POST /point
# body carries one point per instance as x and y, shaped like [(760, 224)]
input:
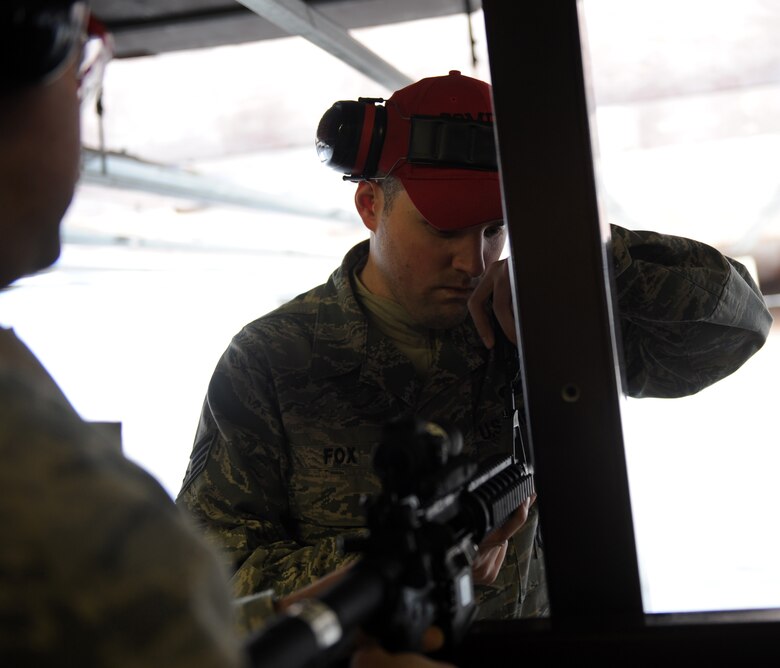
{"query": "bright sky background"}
[(136, 313)]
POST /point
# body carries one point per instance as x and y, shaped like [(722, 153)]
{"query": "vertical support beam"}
[(561, 269)]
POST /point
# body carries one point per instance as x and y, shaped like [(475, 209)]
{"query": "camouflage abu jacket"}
[(97, 565), (294, 409)]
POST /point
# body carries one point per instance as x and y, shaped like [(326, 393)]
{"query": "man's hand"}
[(495, 282), (492, 549), (373, 656)]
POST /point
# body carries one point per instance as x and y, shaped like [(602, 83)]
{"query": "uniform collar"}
[(342, 341), (341, 330)]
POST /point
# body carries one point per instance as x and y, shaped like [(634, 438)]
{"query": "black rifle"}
[(435, 507)]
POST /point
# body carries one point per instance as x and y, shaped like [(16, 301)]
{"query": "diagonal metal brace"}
[(298, 18)]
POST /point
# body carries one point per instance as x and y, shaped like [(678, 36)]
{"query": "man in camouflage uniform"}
[(295, 408), (97, 565)]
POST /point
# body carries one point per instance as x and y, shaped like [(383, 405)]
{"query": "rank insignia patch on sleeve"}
[(198, 459)]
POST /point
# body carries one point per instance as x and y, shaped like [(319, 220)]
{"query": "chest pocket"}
[(330, 496), (331, 469)]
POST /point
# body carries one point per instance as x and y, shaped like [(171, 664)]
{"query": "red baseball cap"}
[(450, 194)]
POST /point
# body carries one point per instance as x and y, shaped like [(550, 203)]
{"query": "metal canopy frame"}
[(296, 17), (562, 287), (146, 27)]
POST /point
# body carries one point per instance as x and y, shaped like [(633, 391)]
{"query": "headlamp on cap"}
[(350, 136)]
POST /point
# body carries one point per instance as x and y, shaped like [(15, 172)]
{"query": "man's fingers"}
[(494, 283), (488, 563), (502, 303), (433, 639), (371, 655), (510, 527), (492, 550), (479, 313)]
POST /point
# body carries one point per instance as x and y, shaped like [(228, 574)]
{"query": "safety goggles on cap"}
[(96, 52)]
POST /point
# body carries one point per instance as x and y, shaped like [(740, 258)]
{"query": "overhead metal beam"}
[(127, 173), (298, 18)]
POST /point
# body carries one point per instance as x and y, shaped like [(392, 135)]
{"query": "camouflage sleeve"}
[(236, 484), (689, 316), (98, 567)]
